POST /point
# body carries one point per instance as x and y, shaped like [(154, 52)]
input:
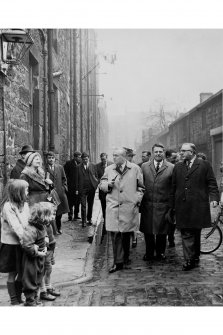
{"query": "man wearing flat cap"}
[(71, 172), (20, 164)]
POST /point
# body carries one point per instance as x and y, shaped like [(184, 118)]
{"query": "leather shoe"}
[(147, 258), (69, 218), (53, 291), (89, 223), (77, 218), (189, 265), (116, 267), (46, 296)]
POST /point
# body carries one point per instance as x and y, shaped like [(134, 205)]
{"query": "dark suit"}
[(154, 206), (87, 184), (17, 170), (57, 175), (102, 195), (192, 190), (71, 171)]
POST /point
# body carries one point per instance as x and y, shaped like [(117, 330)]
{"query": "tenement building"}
[(202, 125), (49, 99)]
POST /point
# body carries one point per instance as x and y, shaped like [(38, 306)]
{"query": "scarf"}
[(36, 176)]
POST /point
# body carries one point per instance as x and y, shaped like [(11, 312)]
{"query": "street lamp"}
[(14, 45)]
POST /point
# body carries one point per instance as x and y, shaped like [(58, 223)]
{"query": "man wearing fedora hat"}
[(20, 164)]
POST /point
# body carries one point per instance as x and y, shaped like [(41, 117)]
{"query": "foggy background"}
[(146, 72)]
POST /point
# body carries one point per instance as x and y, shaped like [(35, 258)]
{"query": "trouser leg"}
[(197, 243), (58, 221), (150, 244), (103, 206), (188, 242), (70, 199), (83, 198), (118, 252), (171, 232), (160, 244), (126, 245), (90, 201), (76, 205)]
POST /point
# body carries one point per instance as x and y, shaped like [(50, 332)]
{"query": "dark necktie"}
[(157, 166), (188, 165)]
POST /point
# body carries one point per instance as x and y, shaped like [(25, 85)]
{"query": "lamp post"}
[(15, 43)]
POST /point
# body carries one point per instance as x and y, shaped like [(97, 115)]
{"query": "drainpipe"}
[(44, 53), (71, 91), (88, 100), (5, 140), (50, 88), (74, 40), (81, 97)]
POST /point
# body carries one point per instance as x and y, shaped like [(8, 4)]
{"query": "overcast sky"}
[(154, 66)]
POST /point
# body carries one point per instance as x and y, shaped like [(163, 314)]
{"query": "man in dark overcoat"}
[(20, 164), (87, 183), (157, 177), (56, 173), (70, 169), (193, 187), (100, 171)]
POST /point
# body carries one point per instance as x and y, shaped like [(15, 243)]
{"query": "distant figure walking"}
[(73, 197), (86, 187)]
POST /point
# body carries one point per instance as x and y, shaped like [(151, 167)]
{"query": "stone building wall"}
[(22, 99)]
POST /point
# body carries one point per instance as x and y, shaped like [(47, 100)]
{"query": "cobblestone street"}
[(149, 284)]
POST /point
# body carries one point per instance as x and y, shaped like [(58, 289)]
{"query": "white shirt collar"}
[(160, 163), (192, 160)]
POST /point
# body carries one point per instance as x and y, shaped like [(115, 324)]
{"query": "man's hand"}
[(48, 181), (76, 193), (214, 204)]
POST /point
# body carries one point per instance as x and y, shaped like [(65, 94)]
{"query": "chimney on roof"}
[(205, 96)]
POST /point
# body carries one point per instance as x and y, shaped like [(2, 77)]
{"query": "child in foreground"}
[(14, 218), (47, 291), (35, 250)]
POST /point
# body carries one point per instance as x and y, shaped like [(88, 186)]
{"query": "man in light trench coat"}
[(123, 183), (157, 176)]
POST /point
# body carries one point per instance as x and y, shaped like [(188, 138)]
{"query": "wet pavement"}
[(81, 273), (157, 283)]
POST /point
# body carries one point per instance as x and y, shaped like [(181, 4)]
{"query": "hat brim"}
[(25, 152)]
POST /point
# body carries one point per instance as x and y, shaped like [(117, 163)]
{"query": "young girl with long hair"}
[(14, 218)]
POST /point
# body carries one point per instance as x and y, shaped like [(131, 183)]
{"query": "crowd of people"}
[(167, 190)]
